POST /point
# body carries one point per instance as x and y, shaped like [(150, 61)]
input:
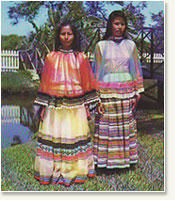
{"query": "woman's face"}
[(118, 27), (66, 37)]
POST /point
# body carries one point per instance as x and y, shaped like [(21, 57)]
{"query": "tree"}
[(88, 16), (85, 15), (11, 42), (136, 19), (158, 19)]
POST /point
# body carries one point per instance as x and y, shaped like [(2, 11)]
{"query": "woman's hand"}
[(43, 113), (100, 108), (135, 101), (138, 97), (88, 112)]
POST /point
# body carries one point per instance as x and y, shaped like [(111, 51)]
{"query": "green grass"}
[(148, 175), (17, 83)]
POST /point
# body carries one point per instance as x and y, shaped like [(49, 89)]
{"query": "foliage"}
[(17, 83), (87, 16), (11, 42), (134, 14), (158, 19), (27, 10)]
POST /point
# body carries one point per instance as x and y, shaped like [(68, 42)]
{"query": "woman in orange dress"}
[(64, 151)]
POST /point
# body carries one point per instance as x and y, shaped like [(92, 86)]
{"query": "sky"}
[(23, 28)]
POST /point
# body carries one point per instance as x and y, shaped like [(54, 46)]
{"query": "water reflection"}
[(17, 125)]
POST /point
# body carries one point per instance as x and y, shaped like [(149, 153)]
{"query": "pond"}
[(17, 124)]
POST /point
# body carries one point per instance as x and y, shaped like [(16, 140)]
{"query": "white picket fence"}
[(9, 60)]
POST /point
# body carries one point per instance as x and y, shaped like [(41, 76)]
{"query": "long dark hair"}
[(76, 45), (112, 16)]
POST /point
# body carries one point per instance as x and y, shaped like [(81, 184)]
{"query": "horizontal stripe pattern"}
[(64, 153), (115, 142), (62, 140), (67, 102), (64, 145), (75, 159)]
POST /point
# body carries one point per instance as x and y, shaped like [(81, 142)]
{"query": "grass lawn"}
[(148, 175)]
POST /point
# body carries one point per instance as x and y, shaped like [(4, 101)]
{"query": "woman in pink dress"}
[(64, 151), (119, 75)]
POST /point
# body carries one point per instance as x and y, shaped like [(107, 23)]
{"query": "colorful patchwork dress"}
[(118, 72), (64, 151)]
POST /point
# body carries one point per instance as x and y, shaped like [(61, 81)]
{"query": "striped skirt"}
[(115, 142), (64, 151)]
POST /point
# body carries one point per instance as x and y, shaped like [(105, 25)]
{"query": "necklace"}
[(116, 39), (66, 51)]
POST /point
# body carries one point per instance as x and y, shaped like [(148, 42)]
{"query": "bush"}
[(17, 83)]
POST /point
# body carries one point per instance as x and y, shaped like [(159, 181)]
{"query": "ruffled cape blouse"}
[(117, 69), (67, 80)]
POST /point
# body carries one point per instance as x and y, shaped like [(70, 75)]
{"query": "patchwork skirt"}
[(115, 138), (64, 151)]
